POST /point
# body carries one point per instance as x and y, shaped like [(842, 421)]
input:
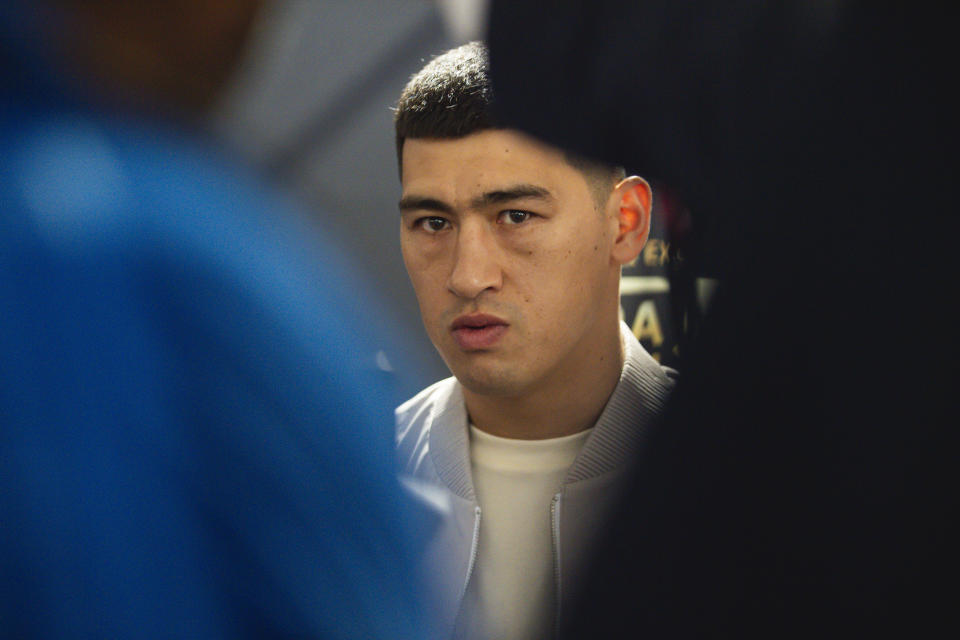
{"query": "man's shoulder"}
[(646, 371), (414, 417), (436, 393)]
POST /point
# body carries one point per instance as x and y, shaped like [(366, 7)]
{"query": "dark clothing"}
[(799, 484)]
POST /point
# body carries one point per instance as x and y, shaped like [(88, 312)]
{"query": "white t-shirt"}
[(512, 590)]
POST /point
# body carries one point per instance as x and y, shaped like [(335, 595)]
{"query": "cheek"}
[(577, 279), (577, 261), (424, 254), (418, 260), (425, 290), (429, 285)]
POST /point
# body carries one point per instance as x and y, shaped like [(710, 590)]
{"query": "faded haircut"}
[(451, 97)]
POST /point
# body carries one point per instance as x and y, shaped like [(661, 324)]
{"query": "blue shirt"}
[(195, 406)]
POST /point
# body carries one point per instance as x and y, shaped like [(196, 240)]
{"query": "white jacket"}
[(432, 441)]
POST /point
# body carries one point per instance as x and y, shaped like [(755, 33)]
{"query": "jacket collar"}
[(449, 442), (637, 400)]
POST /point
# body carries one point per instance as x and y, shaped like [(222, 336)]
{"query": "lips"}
[(478, 331)]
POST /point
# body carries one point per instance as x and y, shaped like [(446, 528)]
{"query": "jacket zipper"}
[(473, 555), (555, 534)]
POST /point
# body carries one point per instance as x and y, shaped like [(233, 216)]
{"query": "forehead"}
[(465, 167)]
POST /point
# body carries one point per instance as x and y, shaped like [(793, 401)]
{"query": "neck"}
[(567, 403)]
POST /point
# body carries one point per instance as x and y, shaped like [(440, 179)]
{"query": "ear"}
[(633, 201)]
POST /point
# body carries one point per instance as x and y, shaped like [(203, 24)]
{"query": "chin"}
[(490, 382)]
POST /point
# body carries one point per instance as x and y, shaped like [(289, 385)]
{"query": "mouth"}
[(478, 331)]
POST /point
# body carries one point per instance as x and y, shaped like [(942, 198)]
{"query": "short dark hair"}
[(451, 97)]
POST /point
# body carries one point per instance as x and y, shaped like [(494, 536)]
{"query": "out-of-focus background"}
[(311, 104)]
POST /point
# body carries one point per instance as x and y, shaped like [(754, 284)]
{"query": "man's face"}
[(510, 259)]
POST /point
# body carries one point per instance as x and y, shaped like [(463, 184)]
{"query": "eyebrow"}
[(514, 192), (415, 203), (497, 196)]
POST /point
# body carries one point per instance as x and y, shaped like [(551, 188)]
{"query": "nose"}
[(476, 266)]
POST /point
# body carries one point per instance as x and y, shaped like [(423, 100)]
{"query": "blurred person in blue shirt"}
[(195, 409)]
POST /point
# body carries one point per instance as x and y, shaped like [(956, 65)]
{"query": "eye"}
[(431, 224), (514, 216)]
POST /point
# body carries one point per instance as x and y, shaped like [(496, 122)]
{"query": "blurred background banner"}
[(661, 299)]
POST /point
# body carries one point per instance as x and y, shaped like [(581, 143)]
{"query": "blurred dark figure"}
[(195, 427), (801, 483)]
